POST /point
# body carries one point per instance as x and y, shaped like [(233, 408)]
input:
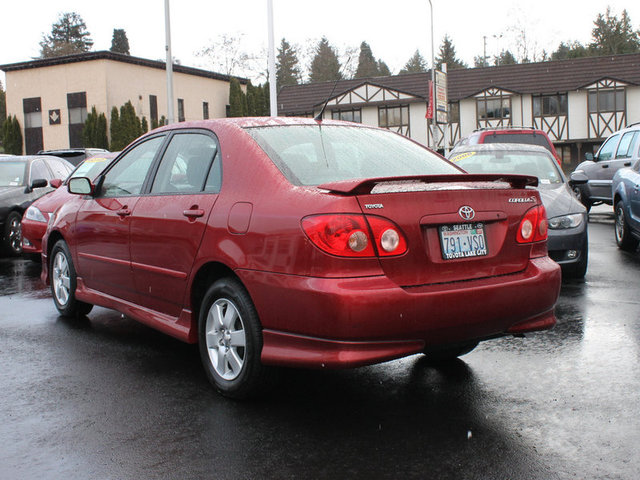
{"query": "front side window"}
[(39, 170), (186, 164), (128, 174), (316, 154), (608, 147)]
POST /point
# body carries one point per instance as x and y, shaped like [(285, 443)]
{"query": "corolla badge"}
[(466, 212)]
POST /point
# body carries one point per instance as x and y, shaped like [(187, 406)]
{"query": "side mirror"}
[(55, 183), (80, 186), (589, 156), (578, 178), (37, 183)]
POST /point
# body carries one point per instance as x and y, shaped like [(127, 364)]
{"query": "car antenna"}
[(318, 117)]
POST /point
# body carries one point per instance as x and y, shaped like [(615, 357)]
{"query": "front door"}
[(103, 222)]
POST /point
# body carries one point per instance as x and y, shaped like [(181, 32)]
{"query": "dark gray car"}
[(24, 179), (620, 150), (567, 242)]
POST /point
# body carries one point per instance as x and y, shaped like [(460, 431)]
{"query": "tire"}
[(63, 282), (579, 269), (230, 340), (449, 353), (13, 234), (584, 199), (624, 239)]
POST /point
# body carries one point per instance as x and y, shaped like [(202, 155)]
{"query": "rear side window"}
[(316, 154), (627, 144), (185, 164), (527, 138)]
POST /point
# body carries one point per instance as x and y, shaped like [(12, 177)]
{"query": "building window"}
[(494, 108), (32, 109), (77, 105), (394, 118), (205, 110), (350, 115), (181, 110), (550, 105), (454, 112), (153, 110), (610, 100)]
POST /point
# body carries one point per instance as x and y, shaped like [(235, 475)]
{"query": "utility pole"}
[(433, 85), (167, 28)]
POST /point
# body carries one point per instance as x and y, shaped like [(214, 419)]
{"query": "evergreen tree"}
[(383, 69), (570, 50), (115, 129), (3, 109), (251, 100), (12, 136), (145, 125), (287, 69), (448, 55), (89, 130), (614, 37), (367, 65), (130, 125), (235, 98), (505, 58), (265, 100), (120, 42), (325, 65), (415, 64), (68, 35)]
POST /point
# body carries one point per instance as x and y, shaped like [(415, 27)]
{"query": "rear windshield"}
[(541, 165), (528, 138), (13, 173), (316, 154)]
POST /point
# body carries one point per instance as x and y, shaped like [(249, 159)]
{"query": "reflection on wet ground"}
[(82, 397), (19, 276)]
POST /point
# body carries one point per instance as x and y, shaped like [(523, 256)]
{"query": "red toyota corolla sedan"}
[(279, 241)]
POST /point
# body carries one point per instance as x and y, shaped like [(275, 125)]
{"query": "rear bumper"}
[(320, 322)]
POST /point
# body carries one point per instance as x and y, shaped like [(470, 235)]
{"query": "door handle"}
[(605, 166), (627, 164), (124, 212), (193, 213)]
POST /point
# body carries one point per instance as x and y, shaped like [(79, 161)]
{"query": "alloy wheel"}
[(61, 279), (225, 339)]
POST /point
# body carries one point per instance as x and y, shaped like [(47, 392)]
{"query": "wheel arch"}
[(204, 277)]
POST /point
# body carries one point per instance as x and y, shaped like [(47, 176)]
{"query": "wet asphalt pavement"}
[(108, 398)]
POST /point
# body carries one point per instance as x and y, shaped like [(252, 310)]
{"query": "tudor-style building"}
[(578, 102), (52, 96)]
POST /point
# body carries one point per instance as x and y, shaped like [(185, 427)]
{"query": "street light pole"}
[(167, 27), (273, 92), (433, 85)]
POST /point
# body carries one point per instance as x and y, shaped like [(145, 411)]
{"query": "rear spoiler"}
[(364, 186)]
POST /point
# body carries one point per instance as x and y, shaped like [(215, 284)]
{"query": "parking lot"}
[(110, 398)]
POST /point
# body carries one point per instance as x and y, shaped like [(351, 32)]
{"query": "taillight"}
[(533, 227), (347, 235)]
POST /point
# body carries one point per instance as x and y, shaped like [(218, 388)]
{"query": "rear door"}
[(167, 225), (431, 218), (601, 172)]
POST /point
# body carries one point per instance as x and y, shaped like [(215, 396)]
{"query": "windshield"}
[(312, 155), (538, 164), (13, 173)]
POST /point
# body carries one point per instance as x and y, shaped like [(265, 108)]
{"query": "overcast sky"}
[(393, 28)]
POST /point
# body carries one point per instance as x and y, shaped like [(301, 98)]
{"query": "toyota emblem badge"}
[(466, 213)]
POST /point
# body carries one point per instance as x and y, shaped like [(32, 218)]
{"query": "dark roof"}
[(533, 78), (299, 99), (117, 57)]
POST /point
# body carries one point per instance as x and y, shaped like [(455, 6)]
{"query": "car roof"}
[(247, 122), (30, 158)]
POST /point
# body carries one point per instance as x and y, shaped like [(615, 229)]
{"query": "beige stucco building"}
[(51, 97)]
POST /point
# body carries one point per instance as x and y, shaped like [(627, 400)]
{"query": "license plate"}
[(463, 240)]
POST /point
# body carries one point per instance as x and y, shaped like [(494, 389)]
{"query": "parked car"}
[(281, 241), (620, 150), (568, 243), (75, 155), (626, 200), (527, 135), (24, 179), (36, 217)]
